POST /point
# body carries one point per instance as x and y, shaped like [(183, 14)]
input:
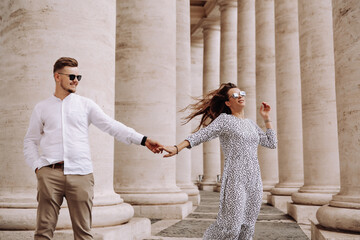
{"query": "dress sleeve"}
[(267, 139), (213, 130)]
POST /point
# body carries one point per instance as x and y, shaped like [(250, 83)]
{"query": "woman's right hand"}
[(170, 149)]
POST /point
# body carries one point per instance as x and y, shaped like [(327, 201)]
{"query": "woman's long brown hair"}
[(210, 106)]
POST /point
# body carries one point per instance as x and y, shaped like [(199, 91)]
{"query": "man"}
[(59, 126)]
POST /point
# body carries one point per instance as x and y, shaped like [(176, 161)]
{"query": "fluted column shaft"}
[(266, 85), (183, 98), (197, 52), (228, 41), (143, 60), (320, 140), (288, 93), (30, 46), (343, 212), (228, 48), (246, 52), (211, 30)]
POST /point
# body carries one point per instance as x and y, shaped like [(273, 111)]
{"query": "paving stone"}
[(271, 224), (210, 199), (207, 209), (202, 216), (274, 217), (213, 196), (154, 220), (208, 193), (267, 209), (186, 228), (209, 204), (278, 231)]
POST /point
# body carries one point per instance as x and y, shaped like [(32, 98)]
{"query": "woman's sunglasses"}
[(72, 76), (238, 95)]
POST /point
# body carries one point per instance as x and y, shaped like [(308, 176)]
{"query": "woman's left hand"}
[(172, 150), (265, 110)]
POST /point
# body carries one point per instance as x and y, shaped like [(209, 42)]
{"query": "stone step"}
[(271, 224)]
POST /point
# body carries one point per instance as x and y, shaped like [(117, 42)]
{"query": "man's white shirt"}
[(60, 129)]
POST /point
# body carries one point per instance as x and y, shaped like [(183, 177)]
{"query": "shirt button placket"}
[(63, 130)]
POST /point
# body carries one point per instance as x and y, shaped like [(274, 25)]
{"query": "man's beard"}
[(69, 89)]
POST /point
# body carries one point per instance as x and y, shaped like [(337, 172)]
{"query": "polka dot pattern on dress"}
[(241, 185)]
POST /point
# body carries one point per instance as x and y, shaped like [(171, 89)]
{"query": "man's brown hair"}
[(65, 62)]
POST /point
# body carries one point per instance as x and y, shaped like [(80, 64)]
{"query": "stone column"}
[(288, 93), (197, 50), (266, 86), (183, 98), (228, 49), (33, 37), (320, 140), (228, 41), (145, 60), (211, 30), (343, 211), (246, 52)]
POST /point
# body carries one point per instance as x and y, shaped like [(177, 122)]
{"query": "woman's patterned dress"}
[(241, 187)]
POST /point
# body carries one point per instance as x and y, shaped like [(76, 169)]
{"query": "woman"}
[(241, 187)]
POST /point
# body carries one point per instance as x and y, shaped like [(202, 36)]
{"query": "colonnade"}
[(211, 81), (343, 211), (146, 181), (299, 56), (120, 70), (141, 63), (321, 155), (265, 87), (288, 103), (32, 37)]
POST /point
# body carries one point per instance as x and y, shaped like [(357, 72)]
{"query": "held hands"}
[(172, 150), (154, 146)]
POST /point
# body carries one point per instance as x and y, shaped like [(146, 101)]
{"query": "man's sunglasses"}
[(72, 76), (238, 95)]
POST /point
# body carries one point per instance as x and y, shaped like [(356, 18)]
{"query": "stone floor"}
[(271, 223)]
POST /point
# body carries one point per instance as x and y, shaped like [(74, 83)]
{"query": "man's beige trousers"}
[(78, 190)]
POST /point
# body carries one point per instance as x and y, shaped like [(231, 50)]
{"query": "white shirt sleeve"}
[(116, 129), (32, 140)]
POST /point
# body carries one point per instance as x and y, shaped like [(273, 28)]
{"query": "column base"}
[(280, 202), (267, 186), (284, 191), (135, 229), (302, 213), (265, 196), (173, 211), (218, 187), (317, 199), (193, 193), (318, 232), (195, 199), (25, 218), (337, 218), (210, 187)]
